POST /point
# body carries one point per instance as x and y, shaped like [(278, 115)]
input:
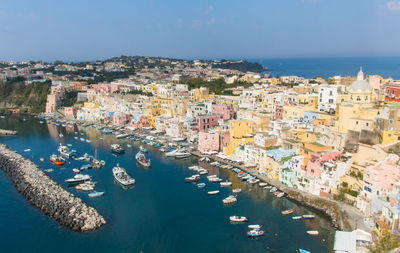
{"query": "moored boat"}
[(122, 177), (288, 211), (78, 179), (65, 151), (253, 227), (143, 149), (201, 185), (142, 160), (213, 192), (226, 183), (95, 194), (229, 200), (312, 232), (48, 170), (76, 171), (236, 218), (297, 217), (57, 160), (304, 251), (255, 233), (193, 178), (236, 190), (308, 216), (117, 149)]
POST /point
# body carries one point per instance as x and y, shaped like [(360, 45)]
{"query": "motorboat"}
[(255, 233), (143, 149), (304, 251), (27, 150), (237, 218), (120, 136), (229, 200), (182, 154), (76, 171), (312, 232), (253, 180), (211, 176), (236, 190), (85, 167), (273, 189), (226, 183), (78, 179), (82, 139), (48, 170), (57, 160), (142, 160), (201, 185), (297, 217), (280, 195), (308, 216), (215, 180), (213, 192), (122, 177), (96, 164), (254, 227), (65, 151), (95, 194), (202, 171), (194, 167), (117, 149), (88, 141), (262, 184), (288, 211), (193, 178), (41, 159)]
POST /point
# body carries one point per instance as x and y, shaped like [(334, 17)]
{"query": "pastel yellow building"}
[(241, 132), (91, 105)]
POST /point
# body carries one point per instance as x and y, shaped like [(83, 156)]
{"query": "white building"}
[(327, 98)]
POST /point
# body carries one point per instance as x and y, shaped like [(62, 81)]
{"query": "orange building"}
[(312, 147)]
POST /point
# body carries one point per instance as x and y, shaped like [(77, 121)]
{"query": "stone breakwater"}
[(40, 190), (7, 132)]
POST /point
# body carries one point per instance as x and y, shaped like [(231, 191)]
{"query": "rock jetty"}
[(40, 190), (7, 132)]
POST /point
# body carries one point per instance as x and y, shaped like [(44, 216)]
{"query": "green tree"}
[(385, 243)]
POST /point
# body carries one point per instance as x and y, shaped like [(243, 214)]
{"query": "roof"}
[(360, 85), (345, 241)]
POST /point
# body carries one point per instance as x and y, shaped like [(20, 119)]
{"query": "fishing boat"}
[(201, 185), (213, 192), (143, 149), (229, 200), (286, 212), (193, 178), (142, 160), (255, 233), (254, 227), (95, 194), (304, 251), (308, 216), (57, 160), (76, 171), (78, 179), (226, 183), (64, 151), (297, 217), (122, 177), (237, 218), (117, 149), (96, 164), (236, 190), (312, 232)]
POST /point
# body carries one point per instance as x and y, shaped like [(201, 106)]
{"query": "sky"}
[(79, 30)]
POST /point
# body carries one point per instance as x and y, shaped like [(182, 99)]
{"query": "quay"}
[(41, 191)]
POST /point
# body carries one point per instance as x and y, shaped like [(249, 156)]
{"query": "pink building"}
[(70, 112), (106, 88), (142, 122), (316, 162), (120, 120), (379, 178), (206, 121), (56, 93), (224, 111), (208, 142)]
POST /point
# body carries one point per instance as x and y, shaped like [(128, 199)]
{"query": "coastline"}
[(48, 196)]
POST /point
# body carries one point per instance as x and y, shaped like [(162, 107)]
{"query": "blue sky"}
[(98, 29)]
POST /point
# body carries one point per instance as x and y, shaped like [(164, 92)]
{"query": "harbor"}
[(160, 206)]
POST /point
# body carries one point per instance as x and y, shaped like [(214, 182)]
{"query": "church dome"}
[(360, 85)]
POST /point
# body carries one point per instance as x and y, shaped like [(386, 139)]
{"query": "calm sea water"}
[(160, 214), (327, 67)]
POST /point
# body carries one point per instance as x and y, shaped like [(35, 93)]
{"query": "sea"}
[(329, 67), (161, 213)]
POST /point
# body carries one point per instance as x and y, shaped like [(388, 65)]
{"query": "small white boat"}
[(297, 217), (262, 184), (253, 227), (286, 212), (255, 233), (253, 180), (312, 232), (61, 135), (237, 218), (27, 150), (41, 159), (95, 194), (213, 192), (236, 190), (193, 178), (215, 180), (280, 195), (229, 200), (201, 185), (49, 170), (77, 179), (76, 171), (226, 183)]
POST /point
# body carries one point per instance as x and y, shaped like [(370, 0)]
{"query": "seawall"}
[(7, 132), (41, 191)]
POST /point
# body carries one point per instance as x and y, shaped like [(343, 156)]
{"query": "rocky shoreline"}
[(41, 191), (7, 132)]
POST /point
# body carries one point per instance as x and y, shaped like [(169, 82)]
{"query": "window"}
[(358, 98), (367, 124), (356, 122), (331, 93), (366, 98)]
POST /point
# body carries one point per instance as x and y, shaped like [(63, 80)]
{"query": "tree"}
[(385, 243), (331, 80)]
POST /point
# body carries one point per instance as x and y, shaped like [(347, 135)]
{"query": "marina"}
[(159, 186)]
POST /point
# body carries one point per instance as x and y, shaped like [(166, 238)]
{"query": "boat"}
[(229, 200), (213, 192), (88, 141), (280, 195), (117, 149), (95, 194), (297, 217), (255, 233), (288, 211), (236, 190), (308, 216), (254, 227), (237, 218), (61, 135), (27, 150), (120, 136), (312, 232), (128, 145), (226, 183), (122, 177), (77, 179), (182, 154), (262, 184), (193, 178), (82, 139), (49, 170), (41, 159), (273, 189), (142, 160), (64, 151), (75, 137), (143, 149), (76, 171), (201, 185), (253, 180), (57, 160), (85, 167), (304, 251), (203, 172)]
